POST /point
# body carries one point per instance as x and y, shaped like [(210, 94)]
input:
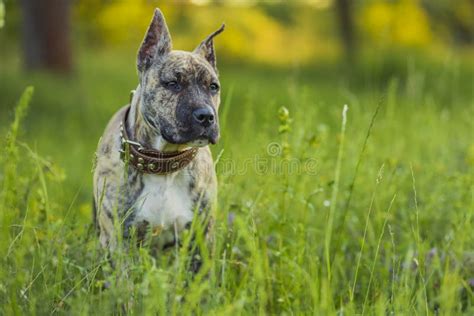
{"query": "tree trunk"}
[(346, 27), (46, 34)]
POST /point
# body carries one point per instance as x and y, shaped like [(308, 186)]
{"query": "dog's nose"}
[(204, 116)]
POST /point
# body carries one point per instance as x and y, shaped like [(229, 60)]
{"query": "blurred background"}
[(80, 56), (50, 34)]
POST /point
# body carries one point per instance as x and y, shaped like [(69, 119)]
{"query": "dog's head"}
[(180, 91)]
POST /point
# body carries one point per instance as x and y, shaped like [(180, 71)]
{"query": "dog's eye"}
[(214, 87), (173, 85)]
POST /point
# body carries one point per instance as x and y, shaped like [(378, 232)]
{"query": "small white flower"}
[(327, 203)]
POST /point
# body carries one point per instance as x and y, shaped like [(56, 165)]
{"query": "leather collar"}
[(150, 160)]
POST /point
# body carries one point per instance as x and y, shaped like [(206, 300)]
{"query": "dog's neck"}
[(142, 132)]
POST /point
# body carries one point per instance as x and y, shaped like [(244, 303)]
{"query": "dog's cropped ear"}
[(206, 48), (157, 42)]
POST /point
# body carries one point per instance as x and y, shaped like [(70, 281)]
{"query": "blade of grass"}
[(367, 220), (374, 262), (335, 191), (356, 172), (418, 242)]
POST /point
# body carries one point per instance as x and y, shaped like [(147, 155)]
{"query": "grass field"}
[(317, 214)]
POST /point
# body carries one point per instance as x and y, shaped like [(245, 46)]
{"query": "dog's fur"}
[(172, 84)]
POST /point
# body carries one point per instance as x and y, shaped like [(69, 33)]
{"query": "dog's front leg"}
[(106, 224), (110, 230)]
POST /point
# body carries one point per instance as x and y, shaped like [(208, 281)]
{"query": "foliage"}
[(250, 33), (400, 22), (282, 33)]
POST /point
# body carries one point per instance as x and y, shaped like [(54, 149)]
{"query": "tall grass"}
[(382, 225)]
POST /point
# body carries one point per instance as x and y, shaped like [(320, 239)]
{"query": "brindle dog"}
[(173, 109)]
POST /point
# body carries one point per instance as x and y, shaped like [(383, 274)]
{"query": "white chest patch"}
[(165, 201)]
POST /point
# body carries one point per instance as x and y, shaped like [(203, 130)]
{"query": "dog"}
[(154, 171)]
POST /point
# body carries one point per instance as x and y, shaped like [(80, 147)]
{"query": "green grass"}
[(375, 218)]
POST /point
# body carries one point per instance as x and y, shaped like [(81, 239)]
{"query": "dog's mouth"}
[(206, 137), (212, 137)]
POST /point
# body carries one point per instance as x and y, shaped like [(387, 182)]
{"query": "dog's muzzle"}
[(205, 119)]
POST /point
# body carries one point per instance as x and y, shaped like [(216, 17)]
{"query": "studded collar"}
[(148, 160)]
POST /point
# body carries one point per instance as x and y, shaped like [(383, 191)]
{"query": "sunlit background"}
[(286, 33)]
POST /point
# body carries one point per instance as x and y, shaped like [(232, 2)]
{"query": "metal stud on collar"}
[(128, 141)]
